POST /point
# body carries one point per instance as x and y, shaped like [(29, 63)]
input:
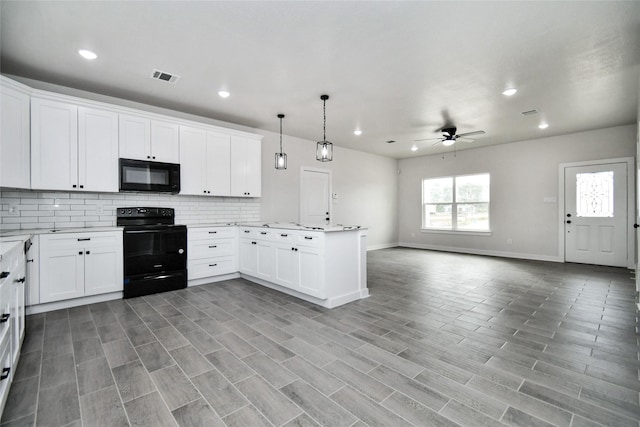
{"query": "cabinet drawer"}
[(285, 236), (205, 233), (84, 240), (248, 232), (5, 309), (202, 249), (211, 267), (307, 239)]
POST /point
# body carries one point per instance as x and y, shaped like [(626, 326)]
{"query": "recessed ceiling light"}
[(357, 132), (414, 147), (87, 54), (509, 92), (224, 94), (543, 125)]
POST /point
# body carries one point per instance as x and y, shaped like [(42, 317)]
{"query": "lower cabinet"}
[(292, 259), (74, 265), (12, 313), (211, 251)]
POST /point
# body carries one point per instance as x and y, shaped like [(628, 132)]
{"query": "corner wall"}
[(523, 175)]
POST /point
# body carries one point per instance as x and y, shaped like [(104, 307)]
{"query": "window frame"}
[(454, 208)]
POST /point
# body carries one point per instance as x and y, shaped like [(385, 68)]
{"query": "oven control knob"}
[(180, 251), (121, 211)]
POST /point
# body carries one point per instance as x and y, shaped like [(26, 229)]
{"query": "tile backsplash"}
[(25, 209)]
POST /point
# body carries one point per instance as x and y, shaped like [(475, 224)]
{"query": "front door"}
[(596, 214)]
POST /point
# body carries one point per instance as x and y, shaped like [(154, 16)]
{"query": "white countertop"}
[(303, 227), (14, 233)]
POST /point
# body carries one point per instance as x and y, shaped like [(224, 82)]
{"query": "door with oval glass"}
[(596, 213)]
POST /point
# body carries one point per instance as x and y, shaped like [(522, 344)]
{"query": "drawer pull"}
[(212, 232), (308, 238), (80, 253), (263, 232), (213, 246), (5, 374), (21, 280), (247, 231), (213, 265), (283, 235), (253, 243), (4, 317), (4, 274), (84, 239)]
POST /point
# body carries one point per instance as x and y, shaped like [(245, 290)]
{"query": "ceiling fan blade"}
[(477, 132), (427, 139)]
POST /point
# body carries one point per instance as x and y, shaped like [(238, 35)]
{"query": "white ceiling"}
[(393, 69)]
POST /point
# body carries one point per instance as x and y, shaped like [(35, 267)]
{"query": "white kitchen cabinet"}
[(142, 138), (246, 167), (97, 150), (12, 312), (326, 268), (73, 265), (204, 162), (32, 285), (15, 139), (211, 251), (73, 148)]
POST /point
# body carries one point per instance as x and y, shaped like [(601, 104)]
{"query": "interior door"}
[(596, 214), (315, 197)]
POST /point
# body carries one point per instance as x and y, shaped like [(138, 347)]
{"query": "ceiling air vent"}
[(530, 112), (164, 76), (391, 141)]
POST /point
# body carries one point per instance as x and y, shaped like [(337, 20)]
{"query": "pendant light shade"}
[(281, 158), (324, 149)]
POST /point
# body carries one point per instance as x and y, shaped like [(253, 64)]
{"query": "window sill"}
[(456, 232)]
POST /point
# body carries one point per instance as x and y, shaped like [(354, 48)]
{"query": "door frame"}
[(312, 169), (631, 203)]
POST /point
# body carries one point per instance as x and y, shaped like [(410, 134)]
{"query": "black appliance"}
[(144, 175), (155, 251)]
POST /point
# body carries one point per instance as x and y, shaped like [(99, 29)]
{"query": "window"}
[(456, 203)]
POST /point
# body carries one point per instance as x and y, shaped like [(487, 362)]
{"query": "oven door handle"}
[(166, 230)]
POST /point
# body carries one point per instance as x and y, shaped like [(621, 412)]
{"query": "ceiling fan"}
[(449, 136)]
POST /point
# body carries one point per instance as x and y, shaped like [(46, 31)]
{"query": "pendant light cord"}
[(280, 135), (324, 125)]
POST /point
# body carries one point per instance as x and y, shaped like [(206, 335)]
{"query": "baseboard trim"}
[(501, 254), (382, 246), (69, 303)]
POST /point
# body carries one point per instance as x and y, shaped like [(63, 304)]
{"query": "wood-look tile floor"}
[(444, 340)]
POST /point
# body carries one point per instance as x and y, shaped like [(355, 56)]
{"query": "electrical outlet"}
[(13, 210), (413, 235), (99, 209), (509, 241)]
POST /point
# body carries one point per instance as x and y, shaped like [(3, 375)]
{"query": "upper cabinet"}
[(142, 138), (15, 163), (73, 148), (204, 162), (246, 167)]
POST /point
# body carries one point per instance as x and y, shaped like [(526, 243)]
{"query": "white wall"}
[(522, 175), (367, 185)]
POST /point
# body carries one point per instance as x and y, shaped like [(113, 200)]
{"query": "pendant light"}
[(324, 149), (281, 158)]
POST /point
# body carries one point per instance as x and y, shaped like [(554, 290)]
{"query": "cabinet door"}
[(253, 168), (193, 161), (286, 265), (164, 142), (32, 291), (218, 168), (97, 150), (134, 137), (266, 260), (54, 145), (246, 170), (311, 280), (61, 273), (15, 140), (17, 308), (103, 270), (248, 257)]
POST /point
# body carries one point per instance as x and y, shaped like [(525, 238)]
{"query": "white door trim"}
[(312, 169), (631, 203)]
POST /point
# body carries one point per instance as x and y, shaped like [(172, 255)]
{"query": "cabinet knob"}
[(4, 274), (88, 252), (5, 373), (74, 186), (253, 243), (4, 317), (82, 186), (205, 191), (80, 253), (153, 157), (148, 157), (21, 280)]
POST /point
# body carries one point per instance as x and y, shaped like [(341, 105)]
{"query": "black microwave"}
[(143, 175)]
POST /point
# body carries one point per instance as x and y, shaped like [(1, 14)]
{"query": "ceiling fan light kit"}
[(281, 158), (324, 148)]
